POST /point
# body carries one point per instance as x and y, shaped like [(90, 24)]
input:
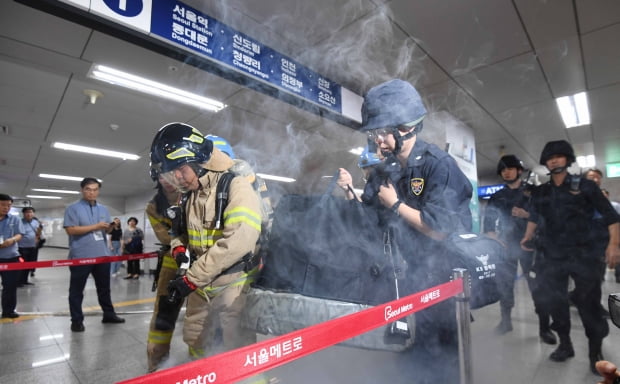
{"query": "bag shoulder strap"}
[(221, 197)]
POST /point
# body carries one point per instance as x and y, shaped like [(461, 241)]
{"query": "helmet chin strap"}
[(557, 170), (398, 139)]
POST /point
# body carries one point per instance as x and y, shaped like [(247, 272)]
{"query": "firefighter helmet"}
[(176, 144), (222, 144), (368, 159)]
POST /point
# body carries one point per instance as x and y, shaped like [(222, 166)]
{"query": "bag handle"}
[(332, 183)]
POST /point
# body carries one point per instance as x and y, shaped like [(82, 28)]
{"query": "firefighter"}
[(219, 278), (505, 220), (429, 197), (158, 342), (159, 337), (566, 205)]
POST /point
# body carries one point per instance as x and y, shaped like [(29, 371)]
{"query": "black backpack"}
[(327, 247), (135, 245), (481, 255)]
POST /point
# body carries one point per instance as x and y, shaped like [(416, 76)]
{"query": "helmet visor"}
[(183, 178)]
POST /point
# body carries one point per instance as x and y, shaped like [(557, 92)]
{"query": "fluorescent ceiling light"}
[(43, 197), (588, 161), (95, 151), (574, 109), (141, 84), (275, 178), (356, 151), (61, 177), (55, 191)]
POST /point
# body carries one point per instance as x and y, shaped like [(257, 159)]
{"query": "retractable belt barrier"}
[(241, 363), (73, 262)]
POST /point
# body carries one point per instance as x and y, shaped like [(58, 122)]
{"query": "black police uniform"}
[(433, 184), (567, 211), (510, 229), (599, 234)]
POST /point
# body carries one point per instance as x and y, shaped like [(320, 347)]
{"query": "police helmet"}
[(368, 159), (176, 144), (509, 161), (558, 147), (392, 104), (222, 144)]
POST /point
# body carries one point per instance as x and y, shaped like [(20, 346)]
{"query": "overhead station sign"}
[(183, 26)]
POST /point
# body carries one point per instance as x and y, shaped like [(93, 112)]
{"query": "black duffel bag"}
[(482, 256), (327, 247)]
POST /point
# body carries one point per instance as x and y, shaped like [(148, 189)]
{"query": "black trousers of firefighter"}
[(555, 269)]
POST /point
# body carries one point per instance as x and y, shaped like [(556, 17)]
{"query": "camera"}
[(389, 169)]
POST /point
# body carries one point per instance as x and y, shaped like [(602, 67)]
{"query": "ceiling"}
[(495, 65)]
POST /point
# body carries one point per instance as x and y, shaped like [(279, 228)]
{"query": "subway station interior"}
[(491, 74)]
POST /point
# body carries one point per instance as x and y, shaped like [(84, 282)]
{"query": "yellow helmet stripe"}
[(180, 153)]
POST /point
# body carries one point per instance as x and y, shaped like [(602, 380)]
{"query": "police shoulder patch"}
[(417, 185)]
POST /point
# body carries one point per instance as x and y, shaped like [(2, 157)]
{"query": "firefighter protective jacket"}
[(216, 250)]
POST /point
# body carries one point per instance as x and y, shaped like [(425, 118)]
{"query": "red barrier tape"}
[(73, 262), (241, 363)]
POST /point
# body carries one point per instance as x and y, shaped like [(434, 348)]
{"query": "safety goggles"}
[(379, 134)]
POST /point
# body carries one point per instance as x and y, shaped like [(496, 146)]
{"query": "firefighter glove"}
[(180, 287), (179, 255)]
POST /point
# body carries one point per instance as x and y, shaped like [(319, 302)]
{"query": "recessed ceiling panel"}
[(511, 83), (597, 14), (601, 51), (463, 35)]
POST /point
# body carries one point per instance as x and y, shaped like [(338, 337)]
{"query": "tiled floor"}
[(40, 348)]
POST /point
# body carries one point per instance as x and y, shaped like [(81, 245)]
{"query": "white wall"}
[(123, 208)]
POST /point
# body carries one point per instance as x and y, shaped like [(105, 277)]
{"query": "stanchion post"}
[(463, 319)]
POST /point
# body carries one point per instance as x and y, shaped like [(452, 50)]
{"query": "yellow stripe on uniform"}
[(196, 353), (243, 215), (209, 292), (160, 337), (169, 262), (157, 220), (207, 237)]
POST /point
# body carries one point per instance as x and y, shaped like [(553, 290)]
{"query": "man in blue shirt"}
[(87, 223), (11, 231), (28, 244)]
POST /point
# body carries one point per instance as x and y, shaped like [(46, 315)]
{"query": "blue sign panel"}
[(486, 191), (195, 31)]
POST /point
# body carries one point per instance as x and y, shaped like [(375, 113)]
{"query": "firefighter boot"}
[(595, 354), (505, 324), (544, 331), (564, 350)]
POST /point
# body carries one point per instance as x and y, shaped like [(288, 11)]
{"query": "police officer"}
[(505, 219), (429, 198), (566, 205), (218, 280)]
